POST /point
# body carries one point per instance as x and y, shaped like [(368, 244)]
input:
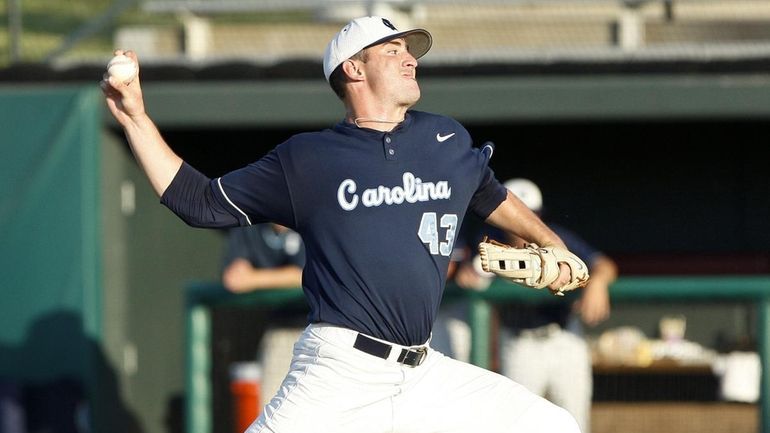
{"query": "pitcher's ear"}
[(352, 69)]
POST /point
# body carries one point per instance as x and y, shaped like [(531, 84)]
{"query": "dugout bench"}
[(201, 297)]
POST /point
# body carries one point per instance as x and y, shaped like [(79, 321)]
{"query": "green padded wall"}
[(49, 230)]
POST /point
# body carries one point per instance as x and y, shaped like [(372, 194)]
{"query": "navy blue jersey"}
[(264, 247), (577, 245), (378, 213)]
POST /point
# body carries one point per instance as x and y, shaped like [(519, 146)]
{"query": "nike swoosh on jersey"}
[(442, 138)]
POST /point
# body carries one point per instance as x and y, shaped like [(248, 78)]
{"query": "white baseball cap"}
[(527, 191), (367, 31)]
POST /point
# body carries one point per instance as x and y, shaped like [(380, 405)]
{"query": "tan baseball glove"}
[(533, 266)]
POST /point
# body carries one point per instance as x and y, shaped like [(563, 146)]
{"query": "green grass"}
[(46, 24)]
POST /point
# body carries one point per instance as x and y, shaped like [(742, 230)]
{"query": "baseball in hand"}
[(122, 68)]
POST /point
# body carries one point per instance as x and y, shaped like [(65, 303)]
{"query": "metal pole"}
[(480, 314), (14, 29), (198, 414), (763, 340), (668, 7)]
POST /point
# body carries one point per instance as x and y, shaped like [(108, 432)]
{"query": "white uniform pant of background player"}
[(553, 363), (275, 353), (451, 332), (335, 388)]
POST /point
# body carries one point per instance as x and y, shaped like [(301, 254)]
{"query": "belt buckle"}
[(413, 357), (544, 332)]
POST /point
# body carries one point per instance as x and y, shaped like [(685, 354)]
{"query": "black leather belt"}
[(410, 357)]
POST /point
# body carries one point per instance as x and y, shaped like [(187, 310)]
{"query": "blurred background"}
[(643, 122)]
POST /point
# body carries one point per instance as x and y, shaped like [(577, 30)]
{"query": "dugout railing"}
[(201, 297)]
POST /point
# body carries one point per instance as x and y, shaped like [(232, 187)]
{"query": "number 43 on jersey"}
[(429, 232)]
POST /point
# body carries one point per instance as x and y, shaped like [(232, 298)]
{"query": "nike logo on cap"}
[(442, 138)]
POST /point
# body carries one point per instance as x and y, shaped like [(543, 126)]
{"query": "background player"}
[(378, 200), (543, 347), (268, 256), (532, 336)]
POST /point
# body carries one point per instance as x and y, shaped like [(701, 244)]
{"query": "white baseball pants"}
[(335, 388), (554, 363)]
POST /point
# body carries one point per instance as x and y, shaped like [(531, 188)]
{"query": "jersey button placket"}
[(390, 150)]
